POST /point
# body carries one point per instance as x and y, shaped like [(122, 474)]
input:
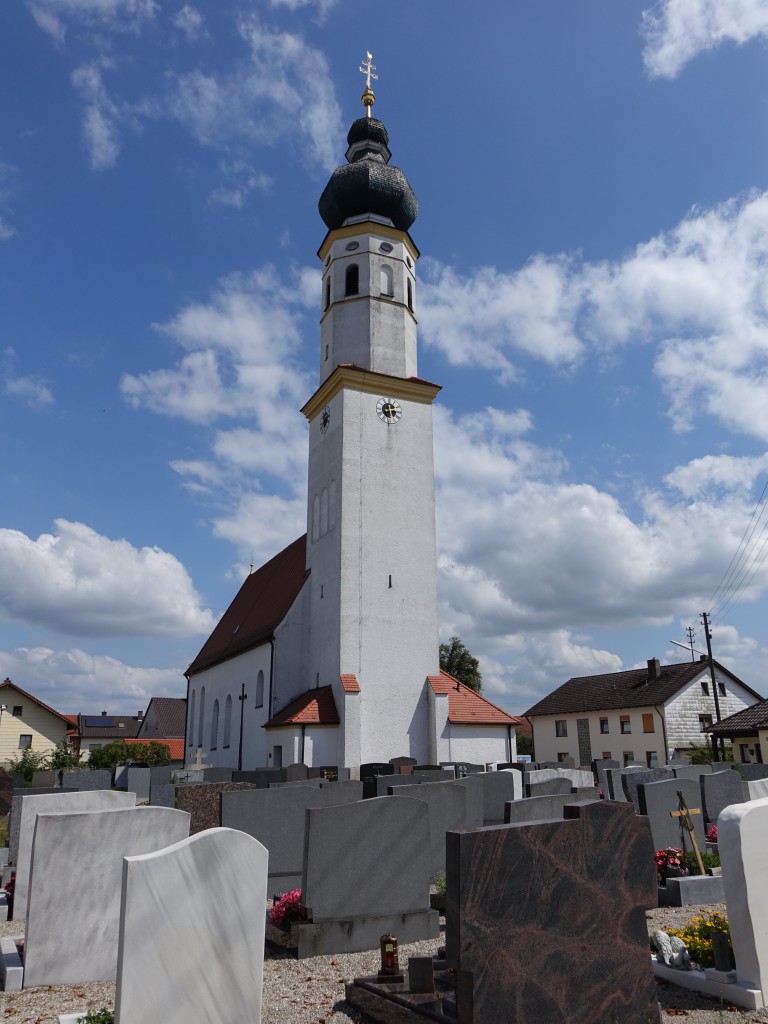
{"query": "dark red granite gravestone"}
[(545, 923)]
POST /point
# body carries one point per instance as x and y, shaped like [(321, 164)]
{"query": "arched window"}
[(259, 690), (191, 728), (387, 287), (215, 725), (352, 280), (410, 294), (200, 719), (227, 720), (327, 301)]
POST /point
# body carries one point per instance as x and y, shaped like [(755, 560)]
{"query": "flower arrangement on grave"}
[(672, 857), (287, 909), (697, 936), (712, 834)]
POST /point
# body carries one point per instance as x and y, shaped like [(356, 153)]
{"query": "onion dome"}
[(367, 183)]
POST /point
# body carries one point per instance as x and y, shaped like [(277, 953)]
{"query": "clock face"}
[(325, 419), (389, 410)]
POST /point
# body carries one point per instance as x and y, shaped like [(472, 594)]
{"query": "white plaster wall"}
[(320, 746), (547, 745), (291, 654), (479, 744)]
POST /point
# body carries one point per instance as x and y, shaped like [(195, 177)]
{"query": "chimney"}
[(654, 668), (103, 714)]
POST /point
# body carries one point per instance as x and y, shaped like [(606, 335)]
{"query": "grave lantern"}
[(390, 966)]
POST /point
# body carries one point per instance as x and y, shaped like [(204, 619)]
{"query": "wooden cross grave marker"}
[(686, 820)]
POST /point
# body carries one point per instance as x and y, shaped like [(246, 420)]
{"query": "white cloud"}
[(6, 230), (101, 118), (712, 474), (76, 582), (323, 6), (676, 31), (263, 524), (241, 180), (29, 388), (74, 682), (189, 21), (54, 16)]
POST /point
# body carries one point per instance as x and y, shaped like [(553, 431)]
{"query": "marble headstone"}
[(72, 927), (576, 891), (187, 890)]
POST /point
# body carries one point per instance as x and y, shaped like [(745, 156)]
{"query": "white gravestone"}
[(73, 915), (210, 893), (54, 803)]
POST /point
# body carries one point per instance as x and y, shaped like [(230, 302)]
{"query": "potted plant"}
[(669, 863)]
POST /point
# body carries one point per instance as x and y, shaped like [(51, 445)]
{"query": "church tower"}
[(371, 551)]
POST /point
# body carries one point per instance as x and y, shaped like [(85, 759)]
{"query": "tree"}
[(119, 752), (109, 756), (524, 742), (63, 756), (456, 660)]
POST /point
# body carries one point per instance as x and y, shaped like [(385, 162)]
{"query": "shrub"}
[(691, 864), (697, 936), (28, 762), (102, 1016), (440, 884)]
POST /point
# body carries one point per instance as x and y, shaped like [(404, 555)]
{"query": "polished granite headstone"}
[(599, 767), (541, 808), (615, 783), (370, 772), (631, 780), (84, 779), (545, 923), (657, 800), (492, 790), (753, 772), (719, 790), (550, 787)]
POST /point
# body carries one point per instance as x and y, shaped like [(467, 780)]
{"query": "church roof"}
[(315, 707), (259, 607), (466, 706)]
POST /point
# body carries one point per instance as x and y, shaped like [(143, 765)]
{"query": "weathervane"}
[(367, 68)]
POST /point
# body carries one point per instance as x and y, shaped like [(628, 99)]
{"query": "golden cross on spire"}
[(367, 67)]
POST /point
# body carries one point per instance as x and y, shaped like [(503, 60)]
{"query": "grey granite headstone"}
[(295, 772), (57, 802), (359, 890), (277, 818), (221, 925), (450, 810), (549, 787), (261, 777), (162, 795), (631, 780), (492, 790), (72, 928), (14, 818), (44, 779), (544, 808), (692, 771), (312, 783), (120, 780), (137, 781), (615, 784), (385, 784), (84, 780), (658, 799), (217, 774), (719, 790), (599, 768), (160, 775), (752, 772)]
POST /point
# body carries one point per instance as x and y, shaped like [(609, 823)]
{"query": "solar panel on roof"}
[(102, 722)]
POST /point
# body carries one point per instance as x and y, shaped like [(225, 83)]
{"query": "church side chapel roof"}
[(259, 607), (636, 687), (744, 722), (315, 707), (466, 706)]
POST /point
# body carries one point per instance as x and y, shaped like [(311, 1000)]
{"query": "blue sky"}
[(593, 188)]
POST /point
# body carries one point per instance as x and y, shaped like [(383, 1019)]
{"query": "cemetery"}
[(547, 893)]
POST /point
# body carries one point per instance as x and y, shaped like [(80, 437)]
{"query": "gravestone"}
[(187, 890), (492, 790), (359, 890), (450, 809), (371, 771), (631, 780), (753, 772), (615, 784), (295, 772), (657, 800), (44, 779), (756, 789), (261, 777), (162, 795), (15, 816), (599, 768), (465, 768), (550, 787), (719, 790), (401, 763), (312, 783), (217, 774), (85, 780), (742, 837), (60, 802), (121, 777), (72, 928), (6, 792), (386, 784), (692, 771), (541, 808), (137, 781), (277, 818), (160, 775), (203, 801), (577, 891)]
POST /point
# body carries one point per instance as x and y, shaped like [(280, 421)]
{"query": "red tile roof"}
[(176, 746), (259, 607), (350, 684), (315, 707), (466, 706)]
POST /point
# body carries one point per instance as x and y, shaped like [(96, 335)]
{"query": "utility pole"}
[(708, 635), (691, 632)]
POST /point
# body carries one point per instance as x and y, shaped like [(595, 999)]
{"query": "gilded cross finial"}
[(367, 67)]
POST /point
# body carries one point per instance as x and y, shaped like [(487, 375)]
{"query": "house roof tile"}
[(175, 745), (171, 715), (315, 707), (466, 706), (259, 607), (349, 684), (118, 727), (744, 722)]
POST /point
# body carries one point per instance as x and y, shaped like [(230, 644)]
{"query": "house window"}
[(25, 741), (705, 688), (625, 725), (606, 754), (652, 759), (562, 756), (628, 756), (604, 726), (648, 725), (721, 688), (352, 280), (705, 722), (561, 727), (17, 709), (259, 690), (227, 720), (744, 753)]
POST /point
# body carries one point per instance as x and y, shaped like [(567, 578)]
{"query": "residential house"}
[(95, 731), (25, 721), (748, 732), (164, 719), (642, 716)]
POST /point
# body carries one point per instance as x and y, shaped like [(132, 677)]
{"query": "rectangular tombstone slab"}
[(692, 771), (121, 777), (312, 783), (162, 795), (261, 777), (742, 837), (217, 774), (752, 772), (44, 780), (296, 772), (549, 787), (160, 775), (85, 780), (14, 819), (631, 780), (543, 808), (277, 818), (398, 763), (187, 890), (72, 928), (492, 790), (137, 781), (757, 788), (370, 772), (58, 802), (657, 800), (577, 891), (203, 802), (599, 767), (359, 888), (719, 790), (615, 783), (450, 810)]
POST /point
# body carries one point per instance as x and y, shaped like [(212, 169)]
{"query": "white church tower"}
[(371, 546)]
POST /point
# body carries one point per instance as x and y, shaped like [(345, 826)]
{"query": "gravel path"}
[(312, 991)]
